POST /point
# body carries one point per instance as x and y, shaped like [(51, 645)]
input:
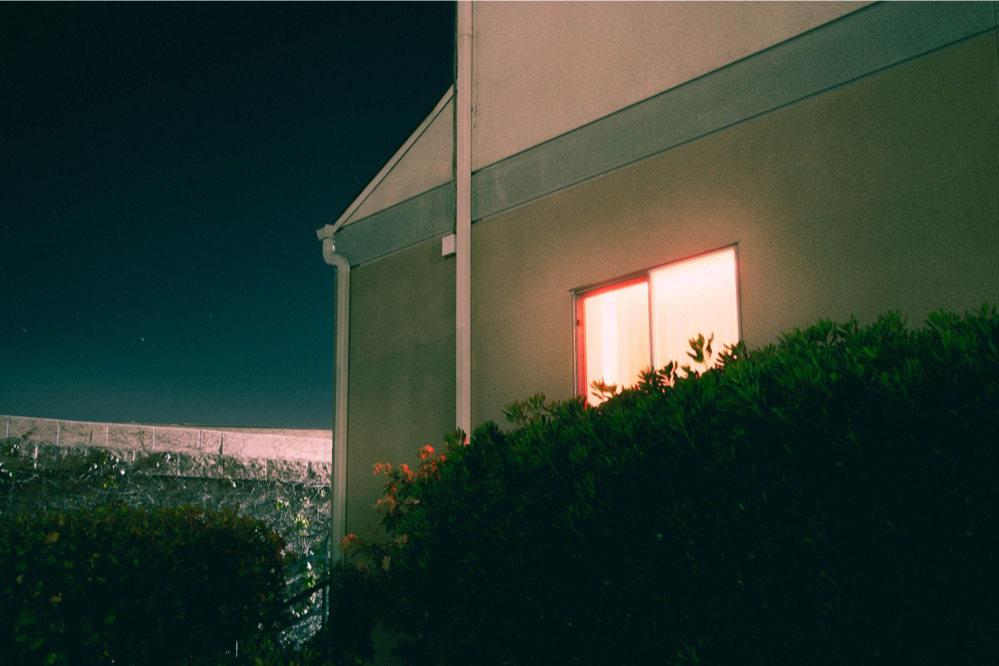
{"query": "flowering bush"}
[(829, 499)]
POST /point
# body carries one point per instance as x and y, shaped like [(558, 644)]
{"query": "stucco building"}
[(814, 159)]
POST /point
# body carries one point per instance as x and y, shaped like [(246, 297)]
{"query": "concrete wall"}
[(426, 165), (541, 69), (236, 453), (878, 195), (279, 476), (402, 369)]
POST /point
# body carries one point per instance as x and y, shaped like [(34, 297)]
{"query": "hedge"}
[(828, 499), (345, 640), (125, 585)]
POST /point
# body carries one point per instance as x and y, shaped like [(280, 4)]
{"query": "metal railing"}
[(294, 575)]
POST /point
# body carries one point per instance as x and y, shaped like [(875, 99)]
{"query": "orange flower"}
[(346, 542), (385, 505), (426, 452)]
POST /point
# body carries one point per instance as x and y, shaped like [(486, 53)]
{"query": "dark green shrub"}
[(125, 585), (831, 499), (346, 639)]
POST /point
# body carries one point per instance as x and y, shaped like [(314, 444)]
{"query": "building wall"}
[(881, 194), (402, 369), (541, 69), (426, 165)]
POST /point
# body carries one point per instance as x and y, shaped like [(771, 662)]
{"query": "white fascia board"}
[(393, 161)]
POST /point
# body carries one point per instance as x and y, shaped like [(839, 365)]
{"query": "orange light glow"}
[(616, 336), (697, 296)]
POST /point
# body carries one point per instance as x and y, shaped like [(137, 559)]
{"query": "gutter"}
[(338, 481)]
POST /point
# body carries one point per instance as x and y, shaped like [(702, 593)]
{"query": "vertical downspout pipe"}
[(338, 513), (463, 216)]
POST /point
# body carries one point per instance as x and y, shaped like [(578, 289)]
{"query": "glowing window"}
[(648, 321)]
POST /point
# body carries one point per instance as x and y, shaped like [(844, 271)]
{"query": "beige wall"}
[(426, 165), (402, 372), (274, 454), (879, 195), (541, 69)]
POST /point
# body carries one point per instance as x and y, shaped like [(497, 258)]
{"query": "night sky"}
[(163, 169)]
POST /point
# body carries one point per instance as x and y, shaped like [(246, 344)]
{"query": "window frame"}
[(580, 294)]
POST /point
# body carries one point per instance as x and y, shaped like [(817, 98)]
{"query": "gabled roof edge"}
[(380, 176)]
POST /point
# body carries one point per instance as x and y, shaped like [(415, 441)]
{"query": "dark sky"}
[(163, 169)]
